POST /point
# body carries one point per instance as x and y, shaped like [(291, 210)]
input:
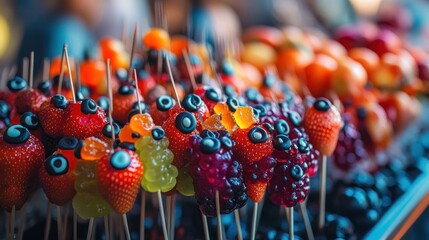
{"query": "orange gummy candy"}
[(226, 116), (93, 149), (156, 39), (126, 134), (213, 123), (142, 124), (244, 117)]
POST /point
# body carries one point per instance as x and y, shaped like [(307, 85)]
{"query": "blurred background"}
[(44, 26)]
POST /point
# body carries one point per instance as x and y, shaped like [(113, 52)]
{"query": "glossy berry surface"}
[(213, 168)]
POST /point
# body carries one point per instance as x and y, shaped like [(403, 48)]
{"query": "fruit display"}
[(329, 129)]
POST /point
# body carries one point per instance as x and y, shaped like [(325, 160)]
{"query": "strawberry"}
[(252, 144), (29, 100), (122, 103), (162, 108), (14, 85), (118, 176), (257, 175), (57, 178), (322, 122), (83, 119), (20, 161), (178, 129), (52, 115), (209, 96), (194, 104)]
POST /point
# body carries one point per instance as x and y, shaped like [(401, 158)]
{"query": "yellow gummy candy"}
[(244, 117), (185, 185)]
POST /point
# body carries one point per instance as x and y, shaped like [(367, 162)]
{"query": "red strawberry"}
[(57, 178), (252, 144), (67, 147), (209, 96), (83, 119), (322, 122), (257, 175), (20, 160), (123, 102), (29, 100), (162, 109), (14, 85), (194, 104), (118, 176), (52, 115), (178, 129)]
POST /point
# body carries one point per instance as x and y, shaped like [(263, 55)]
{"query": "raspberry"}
[(213, 168), (350, 147), (289, 185)]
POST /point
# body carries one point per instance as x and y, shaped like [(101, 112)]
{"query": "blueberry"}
[(45, 87), (209, 145), (322, 104), (4, 110), (338, 227), (104, 103), (158, 133), (185, 122), (164, 103), (56, 165), (212, 95), (192, 103), (232, 103), (16, 84), (257, 135), (120, 160), (59, 101), (282, 127), (88, 106), (107, 130), (68, 143), (30, 120), (282, 142), (16, 134)]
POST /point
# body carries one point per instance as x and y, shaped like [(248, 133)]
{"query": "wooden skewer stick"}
[(159, 67), (190, 71), (172, 216), (170, 74), (307, 222), (3, 77), (127, 229), (46, 67), (7, 225), (168, 214), (25, 68), (237, 222), (70, 73), (12, 223), (161, 210), (106, 227), (254, 217), (133, 44), (65, 221), (109, 90), (90, 228), (74, 225), (291, 223), (322, 193), (30, 85), (142, 214), (48, 221), (205, 226), (12, 71), (59, 227), (137, 91), (22, 218), (219, 220), (61, 78)]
